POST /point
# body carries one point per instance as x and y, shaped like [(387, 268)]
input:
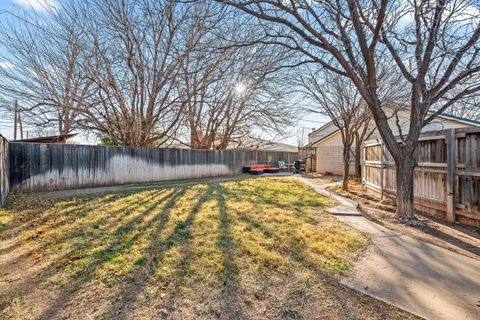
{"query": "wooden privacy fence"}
[(4, 170), (446, 180), (48, 167)]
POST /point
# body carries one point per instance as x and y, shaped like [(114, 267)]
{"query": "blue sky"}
[(12, 5)]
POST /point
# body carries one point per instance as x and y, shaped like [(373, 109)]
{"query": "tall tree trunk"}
[(405, 175), (346, 168), (60, 124), (194, 143), (358, 164)]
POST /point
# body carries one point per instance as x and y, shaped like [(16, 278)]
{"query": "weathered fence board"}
[(48, 167), (4, 170), (446, 180)]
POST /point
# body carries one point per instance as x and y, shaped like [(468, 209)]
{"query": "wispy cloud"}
[(39, 5), (6, 64)]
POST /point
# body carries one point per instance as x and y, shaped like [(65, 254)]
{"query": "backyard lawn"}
[(255, 248)]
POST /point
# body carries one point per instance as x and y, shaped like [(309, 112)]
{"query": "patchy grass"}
[(17, 309), (257, 249)]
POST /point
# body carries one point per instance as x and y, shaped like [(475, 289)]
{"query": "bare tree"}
[(107, 67), (469, 109), (137, 72), (232, 97), (433, 44), (42, 68), (337, 98), (136, 49), (232, 91)]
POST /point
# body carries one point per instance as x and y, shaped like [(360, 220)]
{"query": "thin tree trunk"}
[(404, 175), (15, 121), (20, 125), (60, 124), (346, 169), (358, 164)]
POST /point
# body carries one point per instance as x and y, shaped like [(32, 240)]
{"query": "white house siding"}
[(330, 156)]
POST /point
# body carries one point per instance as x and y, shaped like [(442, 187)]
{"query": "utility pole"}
[(15, 121), (20, 126)]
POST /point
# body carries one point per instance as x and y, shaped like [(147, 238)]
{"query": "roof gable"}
[(324, 137)]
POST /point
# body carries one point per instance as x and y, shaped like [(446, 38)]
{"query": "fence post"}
[(4, 169), (451, 172), (381, 169), (362, 163)]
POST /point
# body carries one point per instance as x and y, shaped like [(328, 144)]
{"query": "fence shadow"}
[(451, 239)]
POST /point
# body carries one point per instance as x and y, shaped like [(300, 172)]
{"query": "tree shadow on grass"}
[(123, 241), (297, 254), (53, 267), (73, 212), (154, 256), (38, 217), (231, 302)]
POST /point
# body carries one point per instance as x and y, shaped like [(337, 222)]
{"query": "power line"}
[(313, 121)]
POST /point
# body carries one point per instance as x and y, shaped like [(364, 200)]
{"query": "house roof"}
[(278, 146), (253, 144), (321, 128), (322, 138), (457, 118), (443, 115), (62, 138)]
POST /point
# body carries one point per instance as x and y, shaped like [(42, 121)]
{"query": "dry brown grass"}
[(256, 249)]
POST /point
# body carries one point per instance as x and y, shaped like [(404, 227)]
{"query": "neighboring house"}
[(328, 147), (277, 146), (63, 138), (253, 144)]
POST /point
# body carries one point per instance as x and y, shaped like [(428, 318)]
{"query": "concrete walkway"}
[(419, 277)]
